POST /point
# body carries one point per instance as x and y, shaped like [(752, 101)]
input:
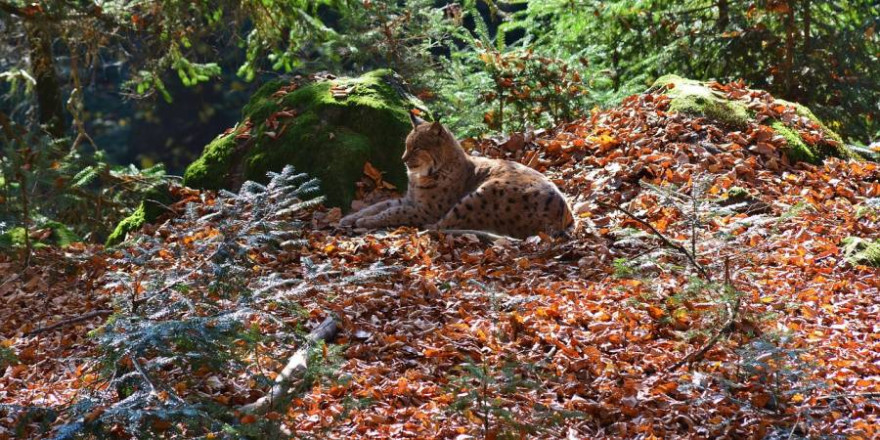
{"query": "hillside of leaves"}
[(707, 292)]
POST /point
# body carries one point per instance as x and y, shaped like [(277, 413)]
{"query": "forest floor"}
[(770, 332)]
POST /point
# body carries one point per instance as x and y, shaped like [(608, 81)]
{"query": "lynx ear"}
[(416, 121), (437, 127)]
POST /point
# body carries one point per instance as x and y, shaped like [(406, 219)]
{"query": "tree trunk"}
[(788, 78), (48, 88), (723, 15), (808, 20), (615, 64)]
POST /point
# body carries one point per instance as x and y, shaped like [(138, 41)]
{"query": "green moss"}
[(329, 138), (129, 224), (841, 151), (211, 170), (154, 204), (737, 192), (14, 237), (799, 151), (800, 109), (796, 150), (696, 99), (261, 104), (308, 147), (859, 251), (61, 236)]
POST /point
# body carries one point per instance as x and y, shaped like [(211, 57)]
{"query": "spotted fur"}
[(448, 189)]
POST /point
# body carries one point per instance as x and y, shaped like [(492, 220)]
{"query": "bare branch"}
[(295, 365), (662, 238), (70, 321)]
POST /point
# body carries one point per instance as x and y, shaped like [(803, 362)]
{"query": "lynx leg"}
[(402, 213), (373, 209)]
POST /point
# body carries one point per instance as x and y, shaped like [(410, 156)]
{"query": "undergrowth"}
[(195, 316)]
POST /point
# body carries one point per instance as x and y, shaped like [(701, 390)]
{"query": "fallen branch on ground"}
[(295, 365), (732, 312), (70, 321), (662, 237)]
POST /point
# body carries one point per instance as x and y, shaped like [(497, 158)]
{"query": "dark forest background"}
[(154, 81)]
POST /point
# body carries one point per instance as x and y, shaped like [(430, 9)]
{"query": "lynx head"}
[(428, 146)]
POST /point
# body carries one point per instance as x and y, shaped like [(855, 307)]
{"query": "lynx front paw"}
[(348, 221)]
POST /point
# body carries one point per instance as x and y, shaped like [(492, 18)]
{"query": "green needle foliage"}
[(67, 40), (823, 54), (44, 183), (190, 315)]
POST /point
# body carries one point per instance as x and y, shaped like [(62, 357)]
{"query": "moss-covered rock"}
[(154, 204), (327, 129), (842, 150), (696, 98), (59, 235), (859, 251), (798, 150)]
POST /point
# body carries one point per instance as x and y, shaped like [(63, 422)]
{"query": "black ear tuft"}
[(416, 121)]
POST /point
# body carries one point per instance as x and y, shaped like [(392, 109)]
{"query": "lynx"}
[(448, 189)]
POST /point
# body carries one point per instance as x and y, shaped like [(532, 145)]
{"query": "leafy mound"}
[(328, 128), (735, 106)]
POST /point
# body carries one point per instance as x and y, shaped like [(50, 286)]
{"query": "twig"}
[(795, 427), (697, 355), (67, 322), (295, 365), (153, 389), (732, 311), (662, 237), (144, 375)]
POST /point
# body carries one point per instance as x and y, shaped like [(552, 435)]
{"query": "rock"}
[(741, 200), (842, 151), (327, 129), (153, 205), (696, 98)]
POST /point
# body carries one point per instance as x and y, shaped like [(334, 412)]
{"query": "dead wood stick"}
[(67, 322), (295, 365), (732, 311), (662, 237), (697, 355)]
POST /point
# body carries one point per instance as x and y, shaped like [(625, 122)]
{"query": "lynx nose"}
[(406, 155)]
